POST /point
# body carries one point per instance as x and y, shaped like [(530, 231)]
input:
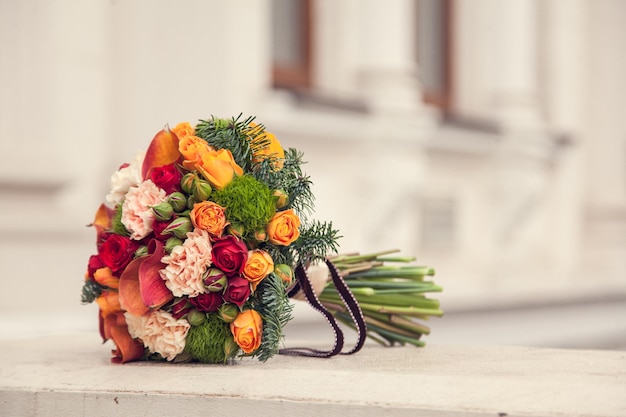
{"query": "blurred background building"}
[(486, 137)]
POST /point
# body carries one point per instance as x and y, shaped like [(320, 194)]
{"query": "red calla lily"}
[(154, 292), (141, 288)]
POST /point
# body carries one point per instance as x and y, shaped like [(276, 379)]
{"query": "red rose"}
[(238, 290), (230, 255), (166, 177), (95, 263), (116, 252), (207, 302)]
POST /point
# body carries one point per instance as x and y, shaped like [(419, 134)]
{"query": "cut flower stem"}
[(391, 294)]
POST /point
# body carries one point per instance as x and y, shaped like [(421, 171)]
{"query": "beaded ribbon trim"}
[(303, 283)]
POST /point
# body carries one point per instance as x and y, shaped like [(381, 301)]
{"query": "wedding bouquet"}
[(205, 236)]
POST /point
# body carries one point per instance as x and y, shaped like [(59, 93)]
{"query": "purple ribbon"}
[(303, 283)]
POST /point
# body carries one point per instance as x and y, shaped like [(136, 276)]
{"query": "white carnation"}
[(137, 215), (186, 264), (123, 179), (160, 332)]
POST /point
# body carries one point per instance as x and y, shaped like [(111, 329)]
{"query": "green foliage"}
[(235, 135), (207, 342), (291, 180), (116, 222), (317, 240), (91, 291), (272, 303), (248, 203)]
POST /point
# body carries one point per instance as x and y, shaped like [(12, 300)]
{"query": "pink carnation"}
[(160, 332), (186, 264), (137, 215)]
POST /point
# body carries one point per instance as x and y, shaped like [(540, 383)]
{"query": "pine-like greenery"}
[(289, 179), (317, 240), (235, 135), (272, 303), (91, 291)]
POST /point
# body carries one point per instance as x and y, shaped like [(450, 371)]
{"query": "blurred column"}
[(516, 89), (53, 111), (521, 164), (388, 64)]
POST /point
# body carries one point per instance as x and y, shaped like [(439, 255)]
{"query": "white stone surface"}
[(71, 375)]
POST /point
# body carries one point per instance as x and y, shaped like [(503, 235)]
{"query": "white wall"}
[(86, 84)]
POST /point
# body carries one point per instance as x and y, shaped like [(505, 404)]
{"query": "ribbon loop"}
[(304, 284)]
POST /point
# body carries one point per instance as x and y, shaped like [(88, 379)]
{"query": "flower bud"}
[(214, 280), (181, 307), (163, 211), (178, 201), (260, 235), (187, 182), (196, 318), (284, 272), (191, 201), (141, 251), (230, 347), (280, 198), (171, 243), (228, 312), (179, 227), (235, 230), (202, 190)]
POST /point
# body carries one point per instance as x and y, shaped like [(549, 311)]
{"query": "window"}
[(434, 22), (291, 43)]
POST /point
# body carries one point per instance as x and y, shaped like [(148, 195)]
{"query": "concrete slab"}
[(70, 375)]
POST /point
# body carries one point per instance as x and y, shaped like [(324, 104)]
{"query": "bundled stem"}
[(391, 293)]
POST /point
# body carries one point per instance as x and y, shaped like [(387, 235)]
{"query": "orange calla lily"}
[(141, 287), (130, 295), (102, 220), (163, 150), (154, 292), (114, 327)]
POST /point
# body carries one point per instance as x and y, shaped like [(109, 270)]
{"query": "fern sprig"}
[(233, 134), (272, 303)]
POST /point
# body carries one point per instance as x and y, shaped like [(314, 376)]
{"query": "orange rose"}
[(219, 167), (192, 148), (247, 329), (271, 149), (209, 216), (258, 265), (283, 228), (109, 303), (183, 129), (104, 276)]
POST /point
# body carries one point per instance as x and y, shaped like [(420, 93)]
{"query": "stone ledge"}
[(71, 376)]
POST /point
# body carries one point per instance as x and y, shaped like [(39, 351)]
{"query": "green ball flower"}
[(249, 204), (207, 341)]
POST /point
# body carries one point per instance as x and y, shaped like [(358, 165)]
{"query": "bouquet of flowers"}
[(205, 237), (197, 243)]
